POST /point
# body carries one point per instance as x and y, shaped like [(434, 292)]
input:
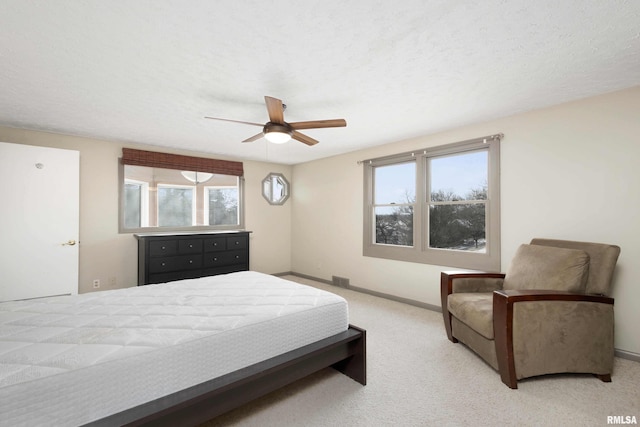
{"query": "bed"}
[(175, 353)]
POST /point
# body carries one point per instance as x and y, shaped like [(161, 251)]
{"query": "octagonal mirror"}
[(275, 188)]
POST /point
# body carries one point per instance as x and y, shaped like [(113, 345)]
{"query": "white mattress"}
[(72, 360)]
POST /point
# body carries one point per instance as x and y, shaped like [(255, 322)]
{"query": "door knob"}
[(69, 243)]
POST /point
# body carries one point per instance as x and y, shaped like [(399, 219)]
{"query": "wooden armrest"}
[(447, 277), (510, 296)]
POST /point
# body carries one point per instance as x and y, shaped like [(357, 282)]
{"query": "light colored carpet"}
[(416, 377)]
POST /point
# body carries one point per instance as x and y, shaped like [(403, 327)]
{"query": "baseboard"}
[(396, 298), (306, 276), (629, 355), (284, 273), (367, 291)]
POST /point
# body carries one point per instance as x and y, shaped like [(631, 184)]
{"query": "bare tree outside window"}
[(459, 226), (457, 202), (394, 201), (456, 226), (175, 206), (223, 206)]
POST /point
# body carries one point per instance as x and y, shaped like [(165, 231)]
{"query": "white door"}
[(39, 221)]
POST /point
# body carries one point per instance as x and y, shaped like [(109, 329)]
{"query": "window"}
[(394, 200), (135, 197), (222, 205), (176, 205), (458, 201), (437, 206), (171, 199)]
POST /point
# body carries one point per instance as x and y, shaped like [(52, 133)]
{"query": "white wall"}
[(271, 224), (567, 172), (112, 257)]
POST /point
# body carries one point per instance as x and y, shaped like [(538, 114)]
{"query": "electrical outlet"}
[(96, 283)]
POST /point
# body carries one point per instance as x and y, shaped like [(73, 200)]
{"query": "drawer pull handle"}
[(190, 246), (190, 261), (237, 242), (163, 248), (163, 264), (215, 259), (237, 256), (215, 244)]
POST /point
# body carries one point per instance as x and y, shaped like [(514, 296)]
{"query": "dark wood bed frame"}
[(345, 352)]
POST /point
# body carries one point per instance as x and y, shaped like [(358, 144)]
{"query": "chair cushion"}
[(546, 267), (475, 310), (602, 261)]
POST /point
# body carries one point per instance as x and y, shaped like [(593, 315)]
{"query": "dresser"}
[(168, 257)]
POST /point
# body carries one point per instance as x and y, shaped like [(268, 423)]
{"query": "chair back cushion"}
[(546, 267), (602, 261)]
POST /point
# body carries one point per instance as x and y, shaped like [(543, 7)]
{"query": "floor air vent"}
[(343, 282)]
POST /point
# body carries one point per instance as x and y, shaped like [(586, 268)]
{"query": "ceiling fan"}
[(278, 131)]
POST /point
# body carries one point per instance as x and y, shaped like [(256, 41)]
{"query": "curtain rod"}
[(413, 153)]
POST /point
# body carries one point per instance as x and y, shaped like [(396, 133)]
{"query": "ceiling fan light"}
[(277, 137), (277, 133)]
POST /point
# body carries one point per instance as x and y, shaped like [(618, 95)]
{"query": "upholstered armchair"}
[(550, 313)]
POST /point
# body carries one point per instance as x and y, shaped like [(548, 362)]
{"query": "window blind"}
[(176, 161)]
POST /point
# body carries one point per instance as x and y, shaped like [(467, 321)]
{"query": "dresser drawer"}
[(225, 269), (163, 248), (191, 246), (174, 275), (175, 263), (225, 258), (215, 244), (237, 242)]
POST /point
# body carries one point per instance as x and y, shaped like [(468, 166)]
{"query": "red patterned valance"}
[(176, 161)]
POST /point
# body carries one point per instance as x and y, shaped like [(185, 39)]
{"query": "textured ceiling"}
[(149, 71)]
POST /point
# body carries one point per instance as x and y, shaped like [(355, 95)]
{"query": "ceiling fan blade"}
[(254, 137), (303, 138), (317, 124), (236, 121), (275, 110)]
